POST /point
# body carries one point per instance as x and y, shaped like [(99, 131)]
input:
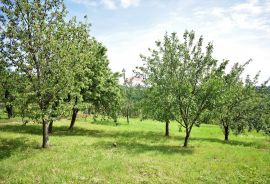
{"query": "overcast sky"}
[(239, 30)]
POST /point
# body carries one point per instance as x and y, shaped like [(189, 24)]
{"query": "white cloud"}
[(109, 4), (267, 7), (218, 12), (240, 32), (249, 15), (128, 3), (250, 7), (238, 35), (86, 2)]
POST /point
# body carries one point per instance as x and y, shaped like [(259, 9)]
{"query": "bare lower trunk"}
[(127, 115), (9, 109), (50, 129), (95, 118), (115, 121), (74, 116), (45, 142), (186, 137), (167, 128), (226, 133)]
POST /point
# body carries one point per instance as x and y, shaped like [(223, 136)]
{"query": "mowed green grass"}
[(142, 154)]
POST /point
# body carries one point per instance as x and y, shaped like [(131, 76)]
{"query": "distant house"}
[(135, 81)]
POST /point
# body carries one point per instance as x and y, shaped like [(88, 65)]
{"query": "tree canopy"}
[(57, 60)]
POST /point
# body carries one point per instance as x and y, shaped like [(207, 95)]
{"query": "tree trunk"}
[(73, 119), (95, 117), (115, 121), (9, 109), (45, 142), (74, 114), (226, 132), (186, 138), (167, 128), (50, 129), (127, 115)]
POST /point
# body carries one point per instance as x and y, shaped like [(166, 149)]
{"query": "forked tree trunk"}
[(45, 142), (50, 129), (186, 137), (167, 128), (226, 132)]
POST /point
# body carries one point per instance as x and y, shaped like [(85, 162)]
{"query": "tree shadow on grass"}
[(127, 141), (221, 141), (137, 148), (6, 120), (104, 122), (108, 122), (9, 146), (57, 131), (131, 136), (78, 131), (230, 142), (25, 129)]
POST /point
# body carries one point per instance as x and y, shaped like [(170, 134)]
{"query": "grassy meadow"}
[(100, 152)]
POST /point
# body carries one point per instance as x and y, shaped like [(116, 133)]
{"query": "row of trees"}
[(185, 84), (50, 65), (50, 68)]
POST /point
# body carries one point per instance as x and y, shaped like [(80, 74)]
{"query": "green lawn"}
[(142, 154)]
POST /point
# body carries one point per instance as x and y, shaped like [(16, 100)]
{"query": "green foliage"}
[(241, 105), (34, 36), (7, 88), (157, 104), (101, 89), (48, 53), (259, 116), (230, 107), (136, 93), (56, 64), (184, 78), (132, 97)]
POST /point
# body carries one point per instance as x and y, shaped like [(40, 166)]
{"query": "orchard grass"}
[(101, 152)]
